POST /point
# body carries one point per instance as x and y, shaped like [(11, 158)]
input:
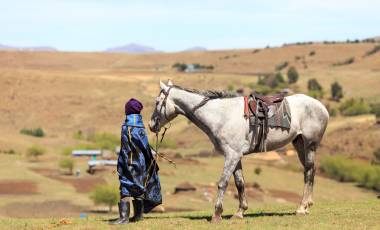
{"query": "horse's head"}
[(164, 110)]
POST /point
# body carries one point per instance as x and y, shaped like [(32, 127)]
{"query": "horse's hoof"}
[(216, 218), (237, 216), (302, 212)]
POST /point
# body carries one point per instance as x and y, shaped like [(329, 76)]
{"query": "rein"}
[(158, 143)]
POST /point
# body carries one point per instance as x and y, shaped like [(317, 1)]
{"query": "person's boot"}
[(138, 209), (124, 209)]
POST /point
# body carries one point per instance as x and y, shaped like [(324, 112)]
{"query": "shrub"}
[(78, 135), (332, 111), (281, 66), (375, 109), (336, 91), (35, 152), (10, 151), (374, 50), (347, 170), (353, 107), (316, 93), (348, 61), (313, 85), (376, 154), (257, 170), (179, 66), (292, 75), (105, 194), (312, 53), (67, 163), (38, 132)]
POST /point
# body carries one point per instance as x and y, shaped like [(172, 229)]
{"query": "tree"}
[(336, 91), (35, 152), (313, 85), (292, 75), (105, 194), (67, 163)]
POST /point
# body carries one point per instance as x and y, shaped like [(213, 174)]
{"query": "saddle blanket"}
[(282, 117)]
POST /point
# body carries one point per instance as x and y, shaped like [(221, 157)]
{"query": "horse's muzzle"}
[(153, 126)]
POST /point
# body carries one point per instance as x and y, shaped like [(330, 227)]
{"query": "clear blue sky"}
[(172, 25)]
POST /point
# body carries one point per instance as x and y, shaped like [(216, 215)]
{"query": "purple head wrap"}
[(133, 106)]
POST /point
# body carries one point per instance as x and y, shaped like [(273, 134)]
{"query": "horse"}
[(220, 115)]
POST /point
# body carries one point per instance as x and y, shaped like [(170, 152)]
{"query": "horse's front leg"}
[(239, 182), (229, 167)]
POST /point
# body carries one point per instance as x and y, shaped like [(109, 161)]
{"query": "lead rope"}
[(154, 161)]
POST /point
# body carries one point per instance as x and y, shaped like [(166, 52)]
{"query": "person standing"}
[(136, 167)]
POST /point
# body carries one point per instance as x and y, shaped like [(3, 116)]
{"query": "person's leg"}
[(138, 209), (124, 210)]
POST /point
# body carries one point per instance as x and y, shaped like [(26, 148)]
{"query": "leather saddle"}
[(257, 104), (258, 109)]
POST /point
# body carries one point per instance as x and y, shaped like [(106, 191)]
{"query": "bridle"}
[(158, 143)]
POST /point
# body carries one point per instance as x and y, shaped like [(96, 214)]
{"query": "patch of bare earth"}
[(45, 209), (18, 187), (81, 184), (286, 195)]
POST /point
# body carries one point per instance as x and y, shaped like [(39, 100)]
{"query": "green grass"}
[(360, 214)]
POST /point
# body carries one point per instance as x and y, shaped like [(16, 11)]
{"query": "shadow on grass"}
[(208, 217)]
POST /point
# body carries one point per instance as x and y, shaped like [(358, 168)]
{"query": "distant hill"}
[(132, 48), (30, 48), (196, 48)]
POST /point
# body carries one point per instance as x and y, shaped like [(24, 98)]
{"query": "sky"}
[(173, 25)]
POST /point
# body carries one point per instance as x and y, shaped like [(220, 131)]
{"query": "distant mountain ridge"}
[(132, 48), (28, 48), (195, 48)]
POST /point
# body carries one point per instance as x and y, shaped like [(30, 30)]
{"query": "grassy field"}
[(66, 92), (357, 214)]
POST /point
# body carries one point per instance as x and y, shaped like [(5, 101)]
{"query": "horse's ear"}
[(170, 83), (163, 86)]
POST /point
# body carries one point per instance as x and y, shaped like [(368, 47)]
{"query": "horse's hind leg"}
[(239, 182), (306, 154)]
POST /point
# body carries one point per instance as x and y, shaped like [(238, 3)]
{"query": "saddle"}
[(259, 109)]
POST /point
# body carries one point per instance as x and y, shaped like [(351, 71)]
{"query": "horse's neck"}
[(186, 102)]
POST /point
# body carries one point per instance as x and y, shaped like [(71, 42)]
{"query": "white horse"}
[(221, 117)]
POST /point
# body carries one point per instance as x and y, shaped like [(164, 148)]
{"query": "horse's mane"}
[(210, 94)]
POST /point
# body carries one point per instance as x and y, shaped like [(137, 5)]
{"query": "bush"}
[(38, 132), (35, 152), (292, 75), (376, 154), (316, 93), (332, 111), (312, 53), (313, 85), (78, 135), (230, 88), (281, 66), (372, 51), (179, 66), (347, 170), (258, 170), (105, 194), (67, 163), (348, 61), (353, 107), (336, 91), (375, 109)]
